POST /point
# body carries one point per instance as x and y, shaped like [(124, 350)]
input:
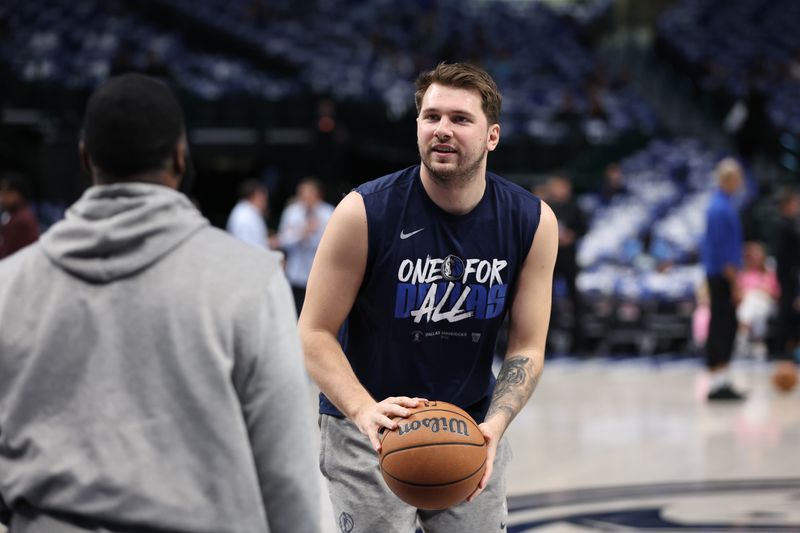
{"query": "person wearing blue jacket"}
[(722, 259)]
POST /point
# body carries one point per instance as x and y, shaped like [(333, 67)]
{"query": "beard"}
[(453, 176)]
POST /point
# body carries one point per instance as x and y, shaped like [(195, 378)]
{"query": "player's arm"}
[(334, 282), (529, 321)]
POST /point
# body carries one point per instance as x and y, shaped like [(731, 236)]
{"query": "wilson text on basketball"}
[(453, 425)]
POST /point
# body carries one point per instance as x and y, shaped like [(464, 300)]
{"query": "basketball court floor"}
[(632, 445)]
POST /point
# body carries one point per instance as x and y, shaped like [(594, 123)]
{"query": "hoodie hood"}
[(115, 231)]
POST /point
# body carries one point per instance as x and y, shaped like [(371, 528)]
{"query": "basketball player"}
[(415, 274), (151, 376)]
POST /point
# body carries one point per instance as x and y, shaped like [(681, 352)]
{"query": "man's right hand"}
[(370, 418)]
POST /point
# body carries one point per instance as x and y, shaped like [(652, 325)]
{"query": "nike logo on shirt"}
[(404, 235)]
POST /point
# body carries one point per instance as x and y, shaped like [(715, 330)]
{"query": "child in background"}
[(701, 315), (759, 290)]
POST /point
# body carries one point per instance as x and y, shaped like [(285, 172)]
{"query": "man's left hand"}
[(492, 436)]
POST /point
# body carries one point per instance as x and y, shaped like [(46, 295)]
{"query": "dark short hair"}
[(248, 188), (463, 76), (132, 124), (11, 181)]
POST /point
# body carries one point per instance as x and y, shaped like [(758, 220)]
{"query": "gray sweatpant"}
[(362, 503)]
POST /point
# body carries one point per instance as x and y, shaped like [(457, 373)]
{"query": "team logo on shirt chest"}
[(450, 289)]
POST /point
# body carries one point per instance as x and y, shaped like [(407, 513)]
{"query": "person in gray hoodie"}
[(151, 376)]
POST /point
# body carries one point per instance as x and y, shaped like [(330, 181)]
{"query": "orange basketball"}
[(785, 376), (435, 458)]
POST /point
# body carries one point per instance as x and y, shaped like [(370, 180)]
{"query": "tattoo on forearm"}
[(513, 388)]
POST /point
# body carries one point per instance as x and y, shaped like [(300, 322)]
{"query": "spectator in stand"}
[(18, 226), (570, 118), (722, 259), (246, 221), (759, 288), (597, 109), (157, 68), (751, 133), (300, 232), (571, 227), (613, 184), (121, 63), (787, 255)]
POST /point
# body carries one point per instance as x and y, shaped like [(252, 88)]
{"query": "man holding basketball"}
[(409, 288)]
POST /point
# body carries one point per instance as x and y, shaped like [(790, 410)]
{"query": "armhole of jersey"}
[(512, 290), (371, 245), (537, 221)]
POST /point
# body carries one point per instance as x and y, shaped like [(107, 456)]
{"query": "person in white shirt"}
[(246, 221), (299, 233)]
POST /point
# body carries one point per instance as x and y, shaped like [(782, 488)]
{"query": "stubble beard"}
[(456, 177)]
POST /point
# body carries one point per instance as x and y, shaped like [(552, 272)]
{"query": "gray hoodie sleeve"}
[(274, 394)]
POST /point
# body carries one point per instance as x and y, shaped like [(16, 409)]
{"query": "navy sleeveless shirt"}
[(436, 289)]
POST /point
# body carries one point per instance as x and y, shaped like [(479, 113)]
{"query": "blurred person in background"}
[(153, 379), (701, 315), (571, 227), (569, 117), (613, 184), (300, 231), (722, 260), (18, 226), (787, 256), (759, 290), (539, 189), (156, 67), (246, 221)]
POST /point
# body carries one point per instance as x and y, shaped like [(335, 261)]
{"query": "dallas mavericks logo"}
[(452, 268), (346, 523)]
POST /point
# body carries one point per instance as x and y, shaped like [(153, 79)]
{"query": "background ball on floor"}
[(785, 376)]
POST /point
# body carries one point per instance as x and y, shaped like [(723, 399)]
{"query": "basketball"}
[(785, 376), (435, 458)]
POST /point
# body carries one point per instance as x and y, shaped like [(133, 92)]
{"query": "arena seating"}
[(733, 47), (640, 258), (368, 51), (74, 45), (373, 50)]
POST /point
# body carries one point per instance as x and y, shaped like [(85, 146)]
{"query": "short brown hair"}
[(463, 76)]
